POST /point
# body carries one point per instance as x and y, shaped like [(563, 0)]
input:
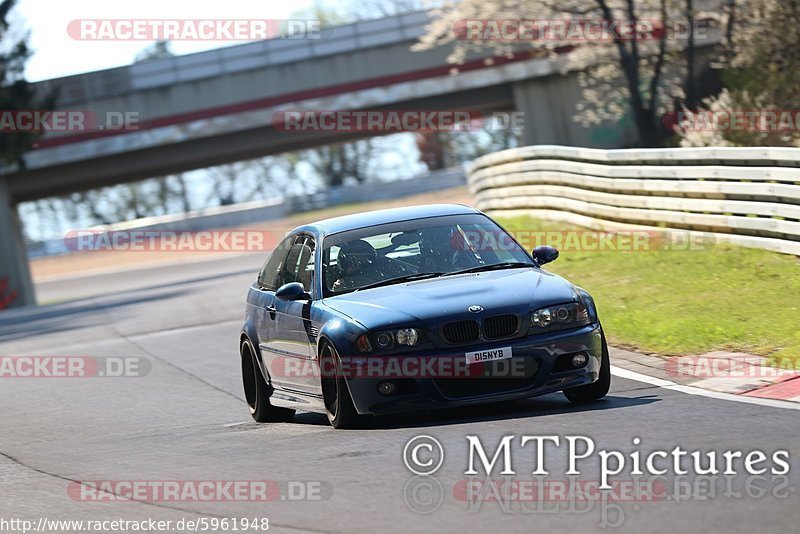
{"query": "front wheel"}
[(256, 391), (338, 403), (597, 389)]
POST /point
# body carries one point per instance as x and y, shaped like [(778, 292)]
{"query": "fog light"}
[(580, 359), (386, 388)]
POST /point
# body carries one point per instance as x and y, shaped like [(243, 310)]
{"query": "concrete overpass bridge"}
[(217, 106)]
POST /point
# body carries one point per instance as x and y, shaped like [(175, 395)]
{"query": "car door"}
[(294, 341), (267, 318)]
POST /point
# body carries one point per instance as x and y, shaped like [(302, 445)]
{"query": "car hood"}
[(506, 291)]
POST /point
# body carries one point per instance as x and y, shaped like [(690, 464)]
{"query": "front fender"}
[(250, 332), (342, 333), (588, 300)]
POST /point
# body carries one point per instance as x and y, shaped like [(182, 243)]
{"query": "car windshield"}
[(417, 249)]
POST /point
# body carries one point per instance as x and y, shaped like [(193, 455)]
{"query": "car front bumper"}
[(543, 356)]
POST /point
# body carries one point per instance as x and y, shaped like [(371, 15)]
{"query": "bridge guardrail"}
[(745, 196)]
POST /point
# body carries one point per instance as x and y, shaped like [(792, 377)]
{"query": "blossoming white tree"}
[(644, 76), (763, 75)]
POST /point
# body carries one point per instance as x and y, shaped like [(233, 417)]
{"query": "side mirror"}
[(292, 291), (545, 254)]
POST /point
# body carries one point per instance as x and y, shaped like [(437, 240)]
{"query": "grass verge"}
[(688, 302)]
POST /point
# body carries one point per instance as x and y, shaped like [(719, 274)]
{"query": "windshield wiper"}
[(399, 280), (492, 267)]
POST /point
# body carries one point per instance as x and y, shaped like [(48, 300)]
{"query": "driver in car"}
[(357, 265)]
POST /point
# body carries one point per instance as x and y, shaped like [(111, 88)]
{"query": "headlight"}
[(388, 339), (561, 316), (384, 340), (407, 336)]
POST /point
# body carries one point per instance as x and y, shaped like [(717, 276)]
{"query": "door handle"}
[(271, 309)]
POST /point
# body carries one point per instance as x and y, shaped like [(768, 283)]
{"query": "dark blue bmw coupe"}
[(409, 309)]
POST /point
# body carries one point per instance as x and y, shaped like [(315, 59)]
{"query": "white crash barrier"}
[(745, 196)]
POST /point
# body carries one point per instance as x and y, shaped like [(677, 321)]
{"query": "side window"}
[(268, 277), (299, 266)]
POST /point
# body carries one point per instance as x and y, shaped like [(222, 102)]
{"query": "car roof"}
[(374, 218)]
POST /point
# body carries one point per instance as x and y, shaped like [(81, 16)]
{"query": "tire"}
[(597, 389), (338, 403), (256, 390)]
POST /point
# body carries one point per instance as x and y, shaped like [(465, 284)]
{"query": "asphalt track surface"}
[(186, 420)]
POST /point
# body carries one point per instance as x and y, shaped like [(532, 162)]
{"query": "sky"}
[(56, 54)]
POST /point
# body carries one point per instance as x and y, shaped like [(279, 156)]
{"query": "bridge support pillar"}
[(548, 119), (16, 287), (550, 107)]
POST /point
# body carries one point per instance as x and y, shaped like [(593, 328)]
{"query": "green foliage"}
[(763, 74), (770, 63), (15, 92)]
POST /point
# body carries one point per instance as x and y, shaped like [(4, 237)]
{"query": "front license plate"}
[(488, 355)]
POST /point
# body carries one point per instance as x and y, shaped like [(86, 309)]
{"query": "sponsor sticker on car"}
[(488, 355)]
